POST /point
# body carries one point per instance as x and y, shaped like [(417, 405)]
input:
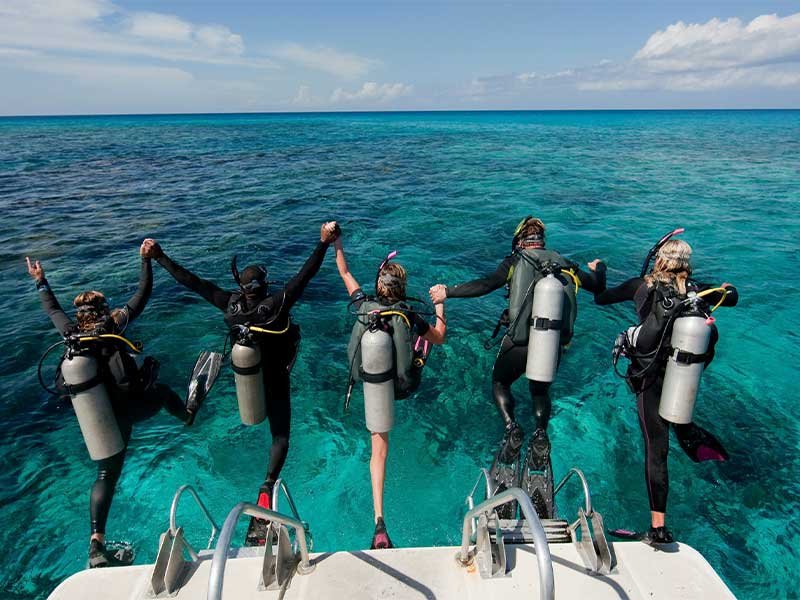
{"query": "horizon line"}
[(395, 111)]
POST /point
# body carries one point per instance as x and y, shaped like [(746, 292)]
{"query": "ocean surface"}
[(446, 191)]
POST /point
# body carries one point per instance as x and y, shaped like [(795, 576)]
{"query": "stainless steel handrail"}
[(173, 511), (543, 558), (280, 485), (587, 498), (217, 572)]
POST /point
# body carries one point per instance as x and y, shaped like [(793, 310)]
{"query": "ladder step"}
[(516, 531)]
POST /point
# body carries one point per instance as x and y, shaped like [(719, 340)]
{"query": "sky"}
[(181, 56)]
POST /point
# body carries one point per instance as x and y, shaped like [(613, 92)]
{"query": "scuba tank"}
[(689, 343), (92, 406), (246, 364), (545, 329), (377, 372)]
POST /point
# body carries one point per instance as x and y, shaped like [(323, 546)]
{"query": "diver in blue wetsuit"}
[(667, 284)]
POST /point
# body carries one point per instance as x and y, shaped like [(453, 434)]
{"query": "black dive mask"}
[(252, 281), (385, 262)]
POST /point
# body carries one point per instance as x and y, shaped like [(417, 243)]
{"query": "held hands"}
[(593, 265), (438, 293), (329, 232), (35, 269), (151, 249)]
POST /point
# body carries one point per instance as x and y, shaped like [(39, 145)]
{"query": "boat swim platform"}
[(641, 572)]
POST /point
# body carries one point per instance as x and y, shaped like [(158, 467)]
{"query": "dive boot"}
[(380, 539), (658, 536), (100, 556), (505, 466), (259, 528), (536, 478)]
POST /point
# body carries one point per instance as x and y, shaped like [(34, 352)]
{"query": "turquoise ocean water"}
[(445, 190)]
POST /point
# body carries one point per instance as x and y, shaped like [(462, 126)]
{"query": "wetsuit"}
[(129, 406), (511, 358), (655, 430), (419, 327), (277, 351)]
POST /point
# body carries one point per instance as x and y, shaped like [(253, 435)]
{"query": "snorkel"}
[(654, 249), (385, 262)]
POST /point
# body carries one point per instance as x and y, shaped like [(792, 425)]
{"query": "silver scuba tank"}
[(690, 338), (246, 363), (377, 362), (92, 407), (545, 333)]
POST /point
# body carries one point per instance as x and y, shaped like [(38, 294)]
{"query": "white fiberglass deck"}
[(641, 573)]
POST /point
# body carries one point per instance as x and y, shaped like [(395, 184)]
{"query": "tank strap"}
[(86, 385), (245, 370), (687, 358), (543, 324), (376, 377)]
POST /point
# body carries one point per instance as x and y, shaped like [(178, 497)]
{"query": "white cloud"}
[(329, 60), (373, 93), (160, 27), (303, 96), (688, 58), (98, 29), (718, 44)]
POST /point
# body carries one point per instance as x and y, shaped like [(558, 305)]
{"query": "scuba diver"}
[(265, 348), (542, 307), (668, 350), (388, 348), (110, 391)]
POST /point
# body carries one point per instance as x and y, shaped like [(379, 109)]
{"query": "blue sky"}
[(128, 56)]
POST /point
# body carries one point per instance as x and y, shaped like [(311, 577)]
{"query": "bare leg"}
[(657, 519), (377, 470)]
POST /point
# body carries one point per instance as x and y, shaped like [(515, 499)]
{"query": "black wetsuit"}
[(129, 407), (419, 327), (277, 351), (511, 359), (655, 430)]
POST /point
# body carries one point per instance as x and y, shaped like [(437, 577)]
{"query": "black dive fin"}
[(504, 476), (536, 478), (698, 444), (204, 374)]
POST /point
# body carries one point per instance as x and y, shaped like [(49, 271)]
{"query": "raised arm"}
[(295, 286), (138, 301), (621, 293), (344, 271), (595, 279), (48, 299), (731, 298), (476, 287), (207, 290), (437, 333)]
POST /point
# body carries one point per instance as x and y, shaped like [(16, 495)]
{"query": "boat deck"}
[(641, 572)]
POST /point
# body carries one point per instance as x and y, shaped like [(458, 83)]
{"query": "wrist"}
[(42, 285)]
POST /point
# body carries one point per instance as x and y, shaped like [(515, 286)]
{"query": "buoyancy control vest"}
[(399, 327), (263, 314), (523, 277)]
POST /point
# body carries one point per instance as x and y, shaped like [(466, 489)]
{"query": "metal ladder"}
[(490, 534), (171, 571)]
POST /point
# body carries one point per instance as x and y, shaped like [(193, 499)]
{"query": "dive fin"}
[(204, 375), (505, 468), (698, 444), (658, 537), (536, 478)]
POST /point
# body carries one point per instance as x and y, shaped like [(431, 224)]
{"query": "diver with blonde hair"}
[(408, 337), (661, 296)]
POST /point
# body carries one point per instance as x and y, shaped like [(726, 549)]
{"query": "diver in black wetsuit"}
[(670, 278), (131, 403), (527, 249), (255, 304)]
